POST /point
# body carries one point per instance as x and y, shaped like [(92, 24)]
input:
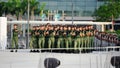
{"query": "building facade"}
[(81, 8)]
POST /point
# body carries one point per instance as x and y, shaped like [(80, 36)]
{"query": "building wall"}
[(80, 7)]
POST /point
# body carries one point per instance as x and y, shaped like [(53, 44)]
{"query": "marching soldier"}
[(116, 42), (84, 37), (15, 38), (41, 37), (60, 43), (81, 37), (46, 36), (73, 38), (67, 37), (77, 42), (36, 45), (64, 36), (51, 39), (87, 36), (96, 38), (32, 40), (99, 38), (91, 35), (56, 35)]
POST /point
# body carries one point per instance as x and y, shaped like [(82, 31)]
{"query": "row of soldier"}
[(61, 36), (65, 36), (105, 39)]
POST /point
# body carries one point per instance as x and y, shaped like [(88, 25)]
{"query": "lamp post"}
[(28, 11), (72, 13), (112, 23)]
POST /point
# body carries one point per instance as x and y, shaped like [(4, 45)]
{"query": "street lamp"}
[(28, 11), (72, 13)]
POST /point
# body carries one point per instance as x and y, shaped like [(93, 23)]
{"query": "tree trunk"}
[(20, 16), (17, 16), (32, 15)]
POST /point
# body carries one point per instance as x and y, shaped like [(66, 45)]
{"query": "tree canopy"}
[(19, 8), (111, 9)]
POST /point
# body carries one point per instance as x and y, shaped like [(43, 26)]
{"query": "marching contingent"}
[(106, 39), (67, 37), (61, 36)]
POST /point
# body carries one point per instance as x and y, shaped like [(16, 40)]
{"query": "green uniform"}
[(15, 39), (56, 38), (77, 42), (46, 39), (80, 38), (68, 40), (92, 38), (51, 39), (60, 43), (41, 39), (36, 44), (83, 38), (87, 39), (32, 40)]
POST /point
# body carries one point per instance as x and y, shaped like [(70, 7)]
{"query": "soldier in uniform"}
[(77, 39), (73, 37), (96, 38), (81, 38), (32, 40), (41, 37), (67, 37), (56, 35), (46, 36), (60, 43), (88, 38), (51, 39), (15, 38), (58, 38), (92, 33), (116, 42), (84, 39), (36, 45), (92, 36)]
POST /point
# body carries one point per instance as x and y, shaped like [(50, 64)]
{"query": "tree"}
[(34, 4), (1, 8), (22, 8), (5, 8), (11, 7), (18, 8), (106, 11), (42, 8)]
